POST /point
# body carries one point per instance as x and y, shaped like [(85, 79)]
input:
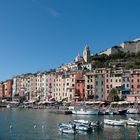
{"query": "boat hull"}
[(93, 112), (132, 111)]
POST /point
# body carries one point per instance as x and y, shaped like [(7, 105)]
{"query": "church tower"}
[(78, 57), (86, 53)]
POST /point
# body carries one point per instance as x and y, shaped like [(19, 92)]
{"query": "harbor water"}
[(35, 124)]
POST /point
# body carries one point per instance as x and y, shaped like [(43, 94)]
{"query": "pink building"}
[(135, 81), (107, 82), (50, 84)]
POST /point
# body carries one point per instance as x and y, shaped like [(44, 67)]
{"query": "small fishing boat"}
[(83, 127), (81, 121), (67, 130), (114, 122), (133, 122)]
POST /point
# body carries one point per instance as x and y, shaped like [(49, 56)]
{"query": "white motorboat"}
[(83, 127), (8, 106), (114, 122), (86, 112), (133, 111), (81, 121), (132, 122), (67, 130)]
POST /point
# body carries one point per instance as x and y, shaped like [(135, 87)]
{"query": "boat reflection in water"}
[(38, 124)]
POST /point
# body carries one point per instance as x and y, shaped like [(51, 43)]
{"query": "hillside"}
[(126, 60)]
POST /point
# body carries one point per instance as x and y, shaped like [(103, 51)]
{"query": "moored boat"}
[(131, 121), (122, 111), (83, 127), (133, 111), (114, 122), (67, 130), (86, 112)]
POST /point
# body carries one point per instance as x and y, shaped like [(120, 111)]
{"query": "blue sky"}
[(43, 34)]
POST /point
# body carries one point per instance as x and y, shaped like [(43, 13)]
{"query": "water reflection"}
[(23, 122)]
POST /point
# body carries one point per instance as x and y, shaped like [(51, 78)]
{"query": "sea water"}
[(35, 124)]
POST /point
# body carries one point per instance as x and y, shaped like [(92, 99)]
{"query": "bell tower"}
[(86, 53)]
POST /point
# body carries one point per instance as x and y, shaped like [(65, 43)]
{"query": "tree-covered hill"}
[(126, 60)]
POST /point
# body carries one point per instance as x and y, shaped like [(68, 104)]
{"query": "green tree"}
[(113, 95)]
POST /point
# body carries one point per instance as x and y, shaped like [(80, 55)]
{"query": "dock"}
[(61, 111)]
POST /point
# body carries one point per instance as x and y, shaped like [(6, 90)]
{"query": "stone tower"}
[(78, 57), (86, 53)]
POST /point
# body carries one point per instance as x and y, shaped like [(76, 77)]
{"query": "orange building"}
[(1, 90), (80, 89), (7, 85), (79, 86)]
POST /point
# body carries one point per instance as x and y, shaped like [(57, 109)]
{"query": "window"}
[(138, 80), (132, 80), (102, 83), (110, 80), (91, 86), (88, 86), (110, 86), (132, 86), (107, 86), (128, 80), (106, 80), (96, 82)]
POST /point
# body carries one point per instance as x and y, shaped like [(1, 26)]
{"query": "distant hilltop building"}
[(86, 55), (79, 63), (127, 46)]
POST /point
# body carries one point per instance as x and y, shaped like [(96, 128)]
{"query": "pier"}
[(61, 111)]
